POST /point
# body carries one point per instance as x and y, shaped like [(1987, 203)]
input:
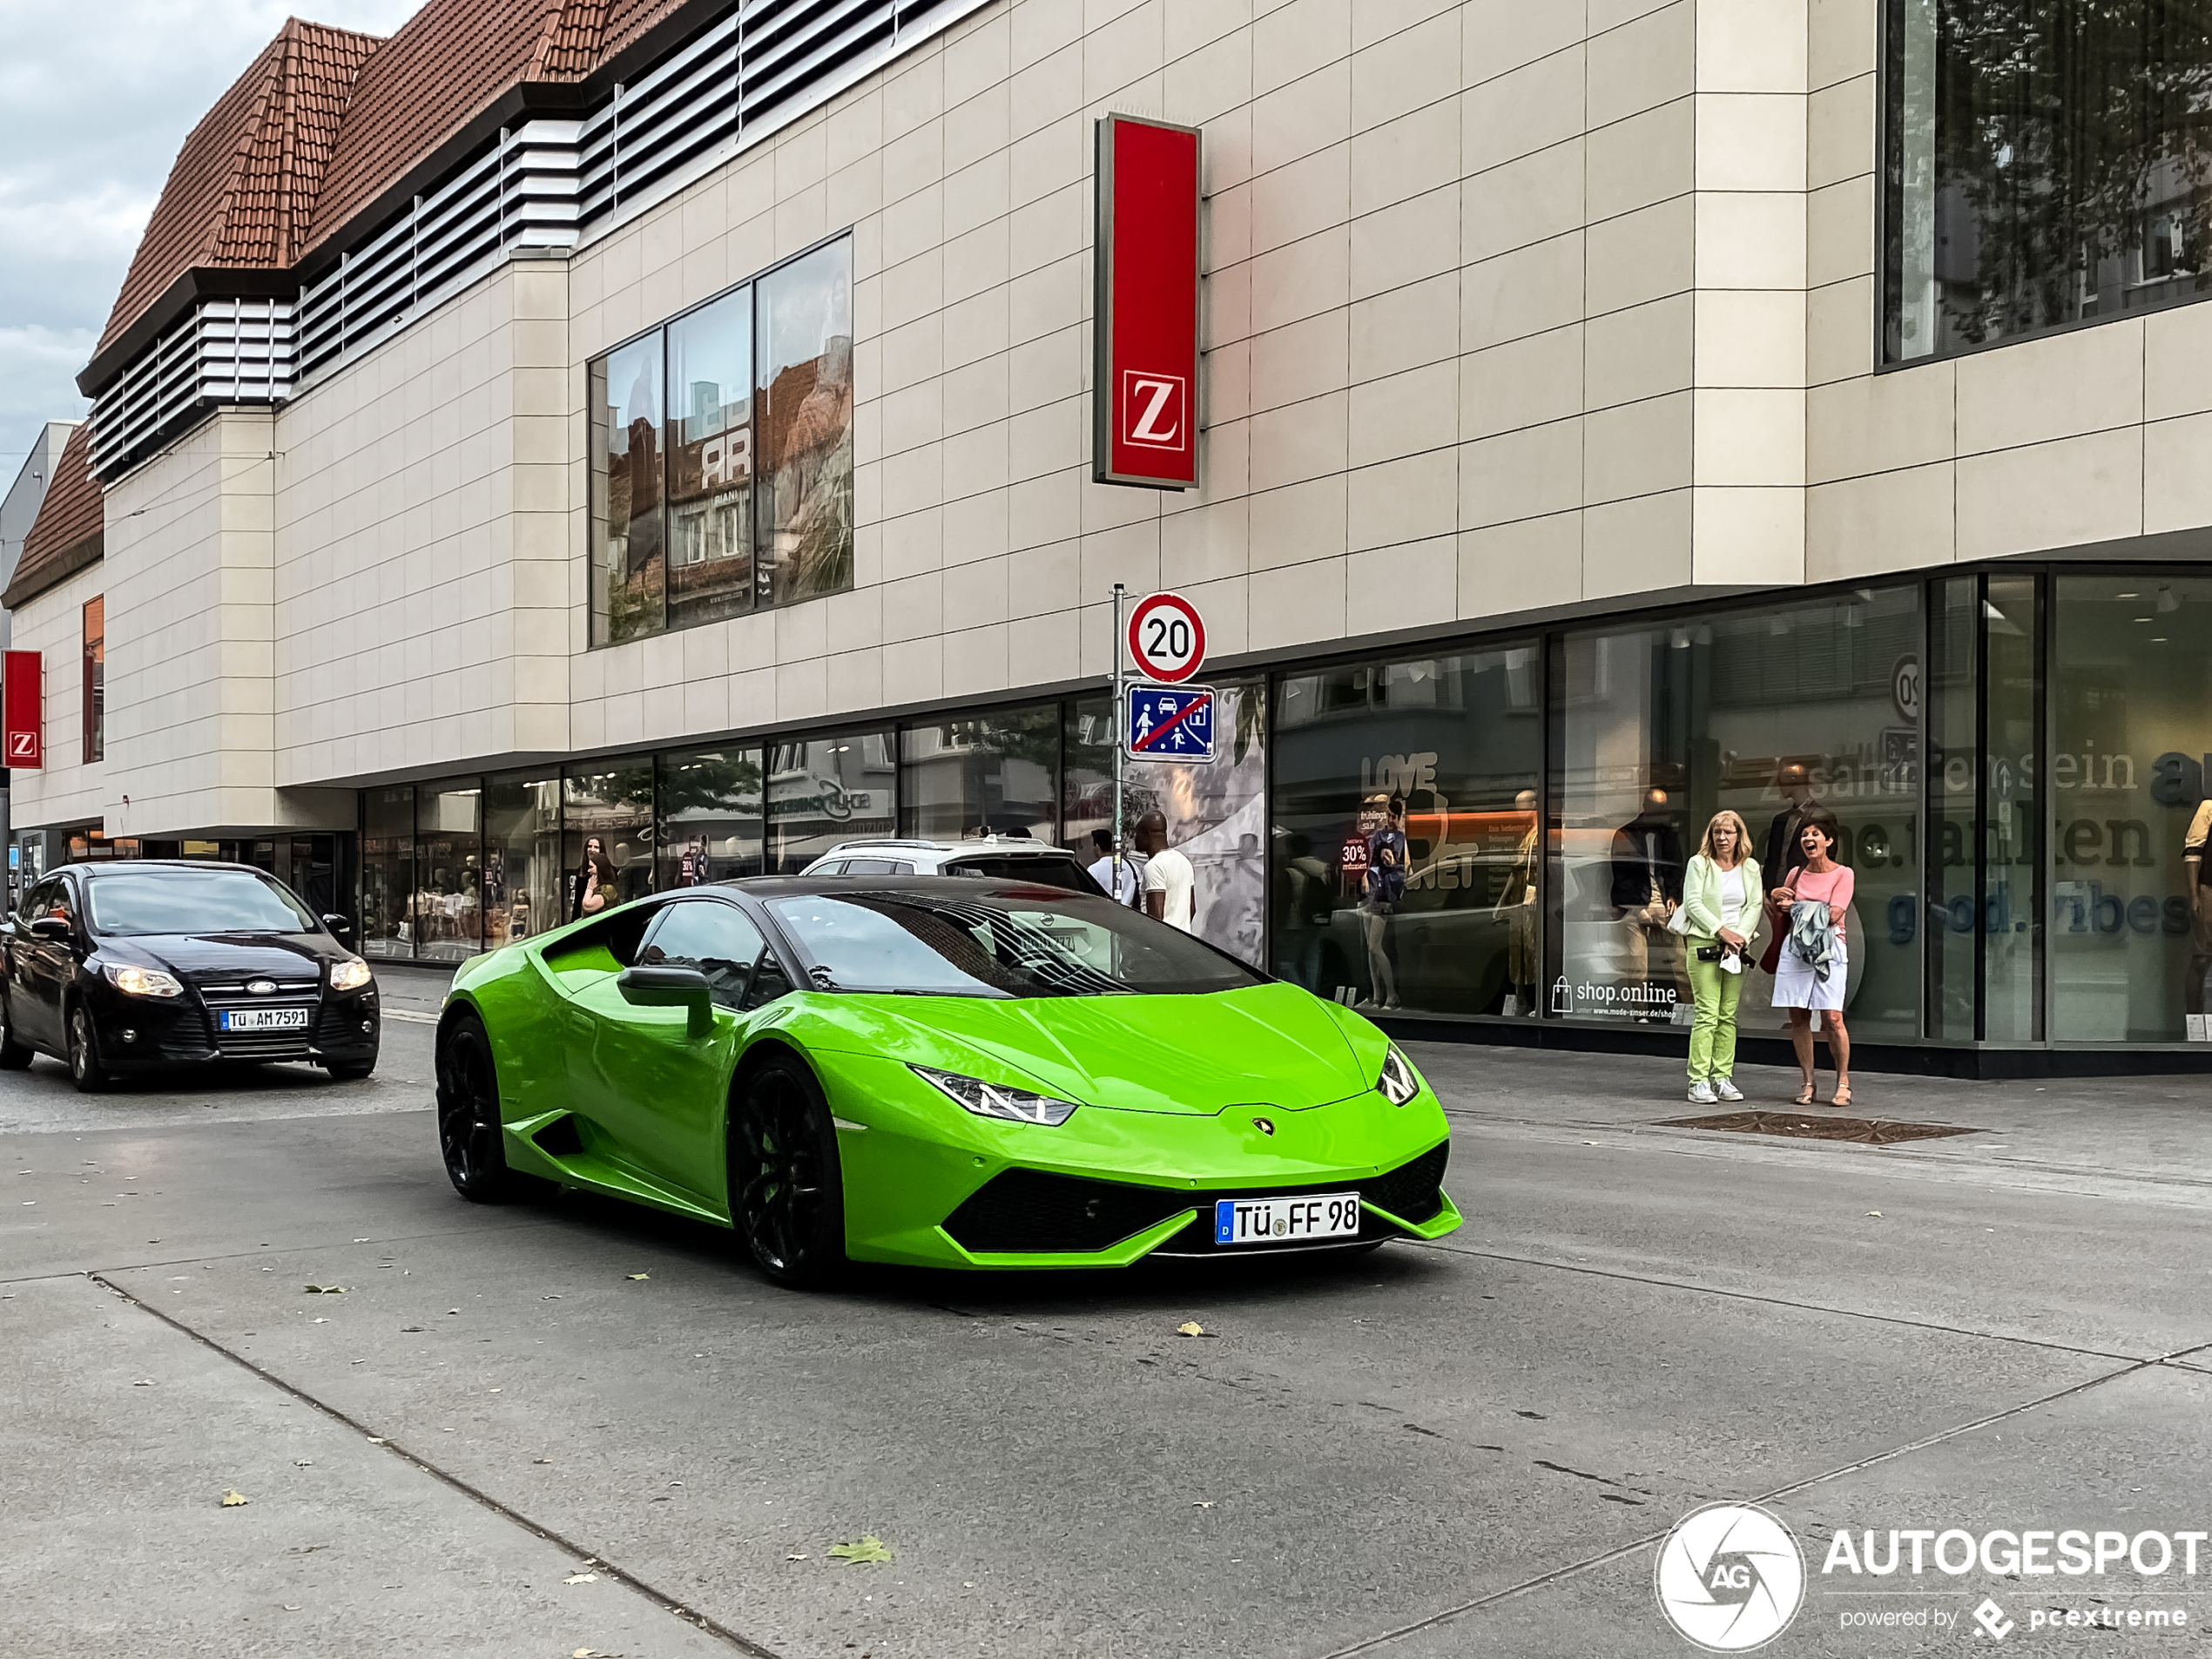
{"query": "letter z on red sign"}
[(23, 702), (1146, 384)]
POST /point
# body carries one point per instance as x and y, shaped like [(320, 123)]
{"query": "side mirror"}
[(670, 988), (50, 928), (338, 925)]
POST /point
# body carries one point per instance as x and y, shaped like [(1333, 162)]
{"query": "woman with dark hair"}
[(594, 880), (1814, 969)]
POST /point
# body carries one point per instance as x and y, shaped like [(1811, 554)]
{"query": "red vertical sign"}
[(1145, 391), (23, 710)]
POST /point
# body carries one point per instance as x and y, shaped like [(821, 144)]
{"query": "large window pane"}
[(1764, 712), (628, 563), (2013, 849), (2045, 164), (388, 872), (710, 822), (2131, 745), (998, 772), (449, 895), (1215, 813), (522, 891), (827, 791), (710, 461), (607, 817), (1444, 753), (1954, 690), (806, 426)]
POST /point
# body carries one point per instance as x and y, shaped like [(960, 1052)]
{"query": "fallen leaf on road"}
[(291, 1607), (541, 1459), (582, 1578), (452, 1310), (143, 1382), (584, 1653), (303, 1463), (639, 1276), (321, 1321), (406, 1328), (232, 1500), (1874, 1212), (376, 1439), (1206, 1503), (870, 1548), (326, 1290), (798, 1558), (1191, 1328)]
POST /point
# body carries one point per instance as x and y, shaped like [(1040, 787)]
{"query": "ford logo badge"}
[(261, 987)]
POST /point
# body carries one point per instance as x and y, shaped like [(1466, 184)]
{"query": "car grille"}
[(218, 994), (1029, 1211)]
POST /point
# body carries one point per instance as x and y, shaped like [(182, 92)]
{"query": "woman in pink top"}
[(1800, 983)]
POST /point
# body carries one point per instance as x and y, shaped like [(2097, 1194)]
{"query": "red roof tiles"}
[(241, 190), (71, 528)]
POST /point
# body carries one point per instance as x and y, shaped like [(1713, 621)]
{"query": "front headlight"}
[(1399, 1083), (995, 1100), (349, 976), (142, 982)]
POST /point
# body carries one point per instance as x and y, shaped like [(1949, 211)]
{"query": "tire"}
[(787, 1189), (14, 1056), (85, 1068), (469, 1124), (350, 1071)]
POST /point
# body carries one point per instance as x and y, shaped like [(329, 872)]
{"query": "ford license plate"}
[(1280, 1221), (262, 1019)]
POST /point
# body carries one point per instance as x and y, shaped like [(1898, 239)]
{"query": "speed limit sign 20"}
[(1167, 641)]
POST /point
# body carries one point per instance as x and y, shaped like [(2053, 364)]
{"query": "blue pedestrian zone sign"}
[(1170, 723)]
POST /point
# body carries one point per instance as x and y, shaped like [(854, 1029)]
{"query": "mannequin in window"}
[(1646, 887), (1796, 790), (1517, 903), (2196, 875)]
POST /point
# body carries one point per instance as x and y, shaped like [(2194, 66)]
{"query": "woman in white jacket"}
[(1720, 903)]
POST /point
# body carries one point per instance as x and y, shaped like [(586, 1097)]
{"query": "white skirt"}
[(1795, 985)]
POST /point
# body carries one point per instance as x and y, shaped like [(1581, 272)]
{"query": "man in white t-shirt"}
[(1123, 877), (1171, 885)]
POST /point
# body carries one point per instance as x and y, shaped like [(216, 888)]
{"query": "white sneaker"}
[(1701, 1093), (1726, 1089)]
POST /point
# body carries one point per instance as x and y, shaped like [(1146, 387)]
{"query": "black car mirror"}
[(338, 925), (672, 987), (48, 927)]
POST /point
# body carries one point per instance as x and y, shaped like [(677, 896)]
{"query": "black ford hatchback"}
[(148, 965)]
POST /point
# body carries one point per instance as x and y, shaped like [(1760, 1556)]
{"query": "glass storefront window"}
[(805, 432), (710, 822), (1216, 814), (522, 881), (1953, 687), (2130, 751), (998, 772), (627, 566), (387, 871), (1405, 851), (2045, 165), (449, 863), (710, 461), (607, 817), (1761, 712), (825, 791)]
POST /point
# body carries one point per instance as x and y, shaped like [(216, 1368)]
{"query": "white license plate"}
[(263, 1019), (1276, 1221)]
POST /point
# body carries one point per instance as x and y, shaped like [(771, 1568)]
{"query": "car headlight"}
[(1399, 1082), (996, 1100), (349, 976), (142, 982)]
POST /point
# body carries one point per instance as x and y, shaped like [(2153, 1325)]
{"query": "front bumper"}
[(140, 1034), (928, 1185)]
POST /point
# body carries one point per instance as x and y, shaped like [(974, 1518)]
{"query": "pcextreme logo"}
[(1729, 1577)]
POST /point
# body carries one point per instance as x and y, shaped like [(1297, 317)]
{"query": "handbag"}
[(1678, 923), (1772, 957)]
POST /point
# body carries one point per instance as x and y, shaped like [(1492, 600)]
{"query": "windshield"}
[(1063, 872), (193, 901), (1027, 941)]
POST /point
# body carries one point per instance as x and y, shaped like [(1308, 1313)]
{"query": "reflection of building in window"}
[(95, 678)]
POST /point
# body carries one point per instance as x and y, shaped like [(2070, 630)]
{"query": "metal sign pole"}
[(1120, 727)]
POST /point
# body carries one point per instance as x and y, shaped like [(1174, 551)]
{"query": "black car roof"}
[(119, 867)]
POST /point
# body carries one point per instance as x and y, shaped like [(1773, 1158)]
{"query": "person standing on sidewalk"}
[(1815, 966), (1171, 885), (1720, 903)]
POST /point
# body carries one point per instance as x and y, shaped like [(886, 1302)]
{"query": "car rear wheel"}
[(786, 1192), (85, 1068), (468, 1132)]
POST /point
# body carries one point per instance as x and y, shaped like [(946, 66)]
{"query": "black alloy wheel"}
[(786, 1192), (468, 1132), (85, 1068), (14, 1055)]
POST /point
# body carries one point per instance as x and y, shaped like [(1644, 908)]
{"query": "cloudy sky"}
[(95, 98)]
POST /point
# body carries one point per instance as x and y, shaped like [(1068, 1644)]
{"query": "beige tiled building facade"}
[(1609, 416)]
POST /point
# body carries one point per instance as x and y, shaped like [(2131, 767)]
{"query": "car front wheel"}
[(469, 1130), (786, 1192), (85, 1068)]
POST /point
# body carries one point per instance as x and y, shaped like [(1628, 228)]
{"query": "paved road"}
[(497, 1441)]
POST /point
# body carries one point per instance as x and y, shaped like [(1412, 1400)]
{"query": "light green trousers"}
[(1712, 1034)]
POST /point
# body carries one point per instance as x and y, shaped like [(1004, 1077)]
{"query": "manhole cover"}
[(1867, 1130)]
